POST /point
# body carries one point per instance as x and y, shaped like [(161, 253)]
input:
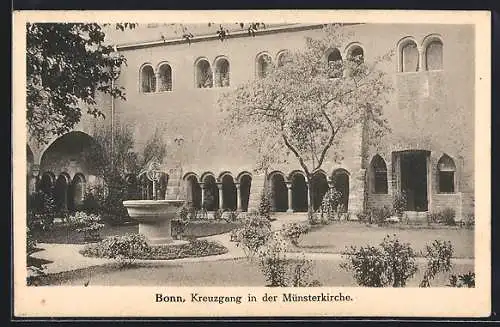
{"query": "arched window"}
[(379, 175), (204, 78), (264, 64), (409, 57), (334, 59), (282, 58), (165, 75), (148, 79), (78, 190), (222, 73), (446, 174), (434, 55), (356, 54)]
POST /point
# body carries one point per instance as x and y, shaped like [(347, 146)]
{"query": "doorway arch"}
[(340, 180)]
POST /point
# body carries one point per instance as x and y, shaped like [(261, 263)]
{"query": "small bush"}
[(392, 263), (265, 204), (469, 221), (41, 210), (438, 256), (88, 224), (91, 200), (273, 262), (448, 216), (294, 231), (300, 272), (124, 249), (30, 242), (379, 215), (330, 205), (254, 233), (218, 214), (400, 203), (363, 216), (464, 280)]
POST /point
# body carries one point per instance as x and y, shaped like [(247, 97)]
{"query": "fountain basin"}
[(154, 218)]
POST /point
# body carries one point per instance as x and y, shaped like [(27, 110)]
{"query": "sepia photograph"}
[(208, 160)]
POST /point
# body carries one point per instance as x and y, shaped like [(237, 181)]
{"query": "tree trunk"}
[(310, 206)]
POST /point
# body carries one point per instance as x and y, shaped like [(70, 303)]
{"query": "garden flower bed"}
[(132, 247)]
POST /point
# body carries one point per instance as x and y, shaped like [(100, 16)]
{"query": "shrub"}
[(218, 214), (448, 216), (392, 263), (400, 203), (379, 215), (124, 249), (265, 204), (91, 201), (301, 273), (294, 231), (30, 242), (254, 233), (469, 221), (230, 216), (330, 204), (363, 216), (464, 280), (438, 256), (41, 208), (88, 224), (273, 262)]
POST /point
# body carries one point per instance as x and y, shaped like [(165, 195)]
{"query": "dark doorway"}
[(279, 194), (245, 185), (61, 193), (211, 200), (340, 180), (319, 187), (229, 193), (299, 193), (414, 179), (194, 192)]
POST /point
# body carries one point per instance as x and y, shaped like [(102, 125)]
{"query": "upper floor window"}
[(165, 75), (204, 78), (379, 173), (434, 55), (282, 58), (356, 54), (148, 79), (222, 73), (264, 64), (334, 60), (409, 57), (446, 174)]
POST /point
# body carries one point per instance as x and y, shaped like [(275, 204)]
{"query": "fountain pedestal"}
[(154, 217)]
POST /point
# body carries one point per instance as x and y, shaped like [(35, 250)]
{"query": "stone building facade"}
[(173, 85)]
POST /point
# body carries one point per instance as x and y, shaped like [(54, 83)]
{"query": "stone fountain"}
[(154, 216)]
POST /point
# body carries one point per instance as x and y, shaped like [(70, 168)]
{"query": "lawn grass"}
[(234, 272), (334, 238)]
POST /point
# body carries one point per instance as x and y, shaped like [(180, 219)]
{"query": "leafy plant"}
[(253, 234), (438, 256), (301, 273), (88, 224), (218, 214), (265, 203), (61, 80), (41, 207), (400, 203), (124, 249), (30, 242), (273, 262), (379, 215), (463, 280), (330, 205), (293, 231), (448, 216), (392, 263)]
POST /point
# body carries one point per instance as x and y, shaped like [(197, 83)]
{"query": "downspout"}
[(113, 114)]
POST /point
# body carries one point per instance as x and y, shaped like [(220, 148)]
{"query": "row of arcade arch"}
[(288, 193)]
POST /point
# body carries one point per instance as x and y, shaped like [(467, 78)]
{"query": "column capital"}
[(288, 185), (219, 186)]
